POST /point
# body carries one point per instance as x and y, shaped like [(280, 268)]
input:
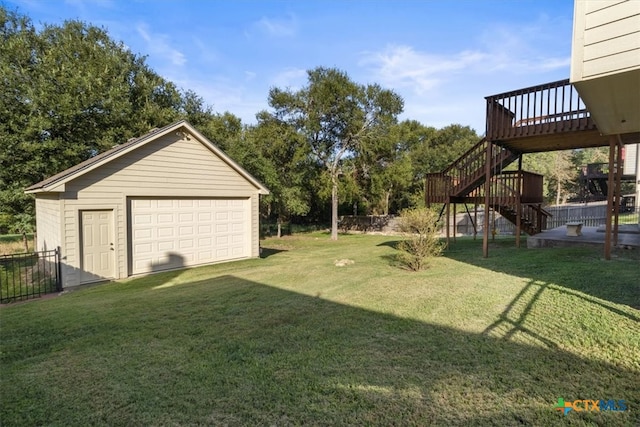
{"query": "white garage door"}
[(173, 233)]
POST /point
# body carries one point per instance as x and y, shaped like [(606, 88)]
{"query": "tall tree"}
[(562, 173), (287, 167), (384, 168), (68, 93), (558, 171), (434, 149), (334, 114)]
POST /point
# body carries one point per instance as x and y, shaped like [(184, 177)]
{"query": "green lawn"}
[(292, 339)]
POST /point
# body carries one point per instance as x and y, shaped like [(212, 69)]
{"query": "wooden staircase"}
[(468, 172), (546, 117), (533, 219), (513, 193)]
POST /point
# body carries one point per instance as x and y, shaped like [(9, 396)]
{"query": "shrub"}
[(420, 226)]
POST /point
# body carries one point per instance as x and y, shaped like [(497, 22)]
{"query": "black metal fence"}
[(29, 275)]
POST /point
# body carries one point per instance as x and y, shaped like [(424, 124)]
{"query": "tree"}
[(558, 170), (384, 169), (562, 173), (68, 93), (437, 149), (287, 154), (334, 115)]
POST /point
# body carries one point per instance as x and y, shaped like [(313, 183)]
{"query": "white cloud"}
[(548, 64), (158, 44), (224, 94), (205, 52), (290, 78), (527, 49), (278, 27), (403, 66)]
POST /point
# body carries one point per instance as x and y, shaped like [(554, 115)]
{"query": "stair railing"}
[(468, 171)]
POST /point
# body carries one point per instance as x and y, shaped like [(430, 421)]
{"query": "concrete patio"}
[(628, 236)]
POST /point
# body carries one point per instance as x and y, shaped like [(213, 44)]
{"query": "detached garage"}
[(166, 200)]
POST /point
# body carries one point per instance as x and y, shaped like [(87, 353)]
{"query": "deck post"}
[(487, 200), (610, 190), (618, 192), (447, 221), (427, 200), (519, 202), (475, 219), (454, 221)]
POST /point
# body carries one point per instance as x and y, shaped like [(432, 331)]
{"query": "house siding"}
[(631, 159), (171, 166), (255, 226), (605, 62), (47, 222), (606, 38)]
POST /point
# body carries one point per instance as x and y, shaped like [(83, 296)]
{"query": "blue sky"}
[(443, 57)]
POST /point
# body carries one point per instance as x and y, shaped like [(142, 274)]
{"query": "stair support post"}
[(487, 200), (455, 221), (518, 200), (608, 229), (448, 219), (618, 191), (475, 219)]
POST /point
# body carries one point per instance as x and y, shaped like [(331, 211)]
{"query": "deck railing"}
[(504, 188), (538, 110), (436, 188)]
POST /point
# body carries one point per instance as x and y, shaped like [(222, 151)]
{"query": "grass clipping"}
[(420, 226)]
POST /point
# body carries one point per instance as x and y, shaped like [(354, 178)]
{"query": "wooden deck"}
[(546, 117)]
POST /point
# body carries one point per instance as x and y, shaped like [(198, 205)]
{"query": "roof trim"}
[(56, 182)]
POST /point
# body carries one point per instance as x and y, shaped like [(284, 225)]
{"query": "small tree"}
[(420, 225)]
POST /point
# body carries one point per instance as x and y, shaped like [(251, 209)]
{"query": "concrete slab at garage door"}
[(173, 233)]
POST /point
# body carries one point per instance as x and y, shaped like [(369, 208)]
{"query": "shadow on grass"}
[(577, 269), (235, 352), (513, 319), (393, 244), (267, 252)]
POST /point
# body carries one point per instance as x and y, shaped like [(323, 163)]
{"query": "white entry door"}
[(98, 250), (175, 233)]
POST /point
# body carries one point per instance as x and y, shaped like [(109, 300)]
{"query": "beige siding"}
[(170, 166), (631, 159), (605, 62), (606, 38), (47, 222), (255, 226), (50, 233), (162, 168)]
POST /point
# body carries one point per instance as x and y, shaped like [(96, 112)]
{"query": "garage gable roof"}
[(56, 182)]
